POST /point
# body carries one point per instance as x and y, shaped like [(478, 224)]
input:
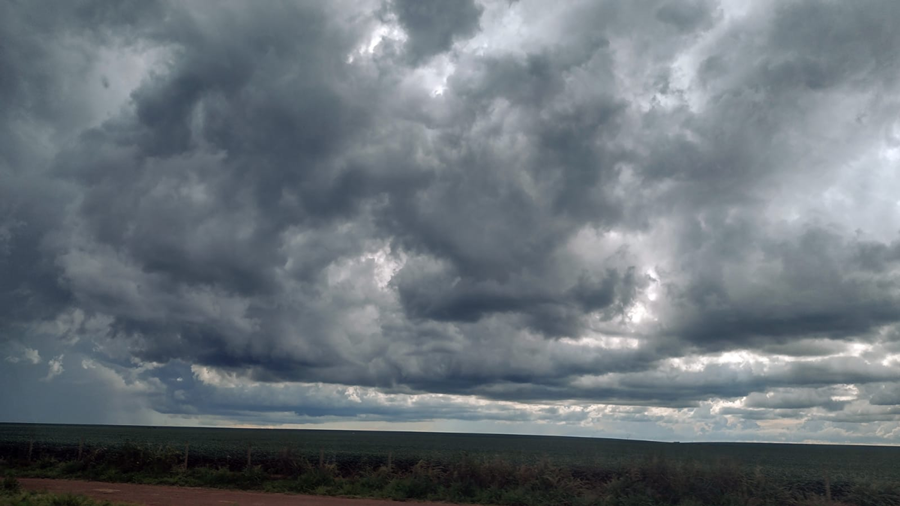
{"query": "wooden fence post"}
[(187, 449), (249, 451), (321, 458), (390, 461)]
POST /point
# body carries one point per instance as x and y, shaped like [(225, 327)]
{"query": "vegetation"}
[(686, 477), (11, 494), (652, 481), (217, 448), (46, 499)]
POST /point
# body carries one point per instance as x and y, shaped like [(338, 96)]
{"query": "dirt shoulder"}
[(161, 495)]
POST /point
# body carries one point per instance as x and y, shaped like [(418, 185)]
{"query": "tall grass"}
[(11, 494)]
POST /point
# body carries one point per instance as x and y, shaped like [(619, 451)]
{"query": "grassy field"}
[(498, 469), (229, 446)]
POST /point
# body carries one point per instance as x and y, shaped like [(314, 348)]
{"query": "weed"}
[(10, 485)]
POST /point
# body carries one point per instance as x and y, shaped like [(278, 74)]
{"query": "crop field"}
[(228, 447)]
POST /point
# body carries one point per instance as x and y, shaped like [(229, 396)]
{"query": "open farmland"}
[(228, 447)]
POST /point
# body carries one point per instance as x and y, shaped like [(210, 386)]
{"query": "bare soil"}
[(161, 495)]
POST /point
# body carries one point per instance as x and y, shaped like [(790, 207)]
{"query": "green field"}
[(228, 447)]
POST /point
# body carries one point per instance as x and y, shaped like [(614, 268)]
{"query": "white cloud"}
[(56, 368), (24, 354)]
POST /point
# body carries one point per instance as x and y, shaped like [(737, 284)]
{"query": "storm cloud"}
[(675, 220)]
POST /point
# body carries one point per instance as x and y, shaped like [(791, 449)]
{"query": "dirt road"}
[(158, 495)]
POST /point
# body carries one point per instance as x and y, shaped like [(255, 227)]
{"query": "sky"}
[(654, 219)]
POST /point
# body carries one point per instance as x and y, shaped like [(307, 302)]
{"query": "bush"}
[(10, 485), (316, 479), (70, 500), (134, 457), (45, 499)]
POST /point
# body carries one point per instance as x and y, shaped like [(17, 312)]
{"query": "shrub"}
[(10, 485), (70, 500), (316, 478)]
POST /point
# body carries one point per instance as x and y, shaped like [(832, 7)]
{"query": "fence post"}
[(80, 448), (187, 448), (390, 461), (321, 458), (249, 451), (30, 448)]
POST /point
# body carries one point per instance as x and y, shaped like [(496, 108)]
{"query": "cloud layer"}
[(673, 220)]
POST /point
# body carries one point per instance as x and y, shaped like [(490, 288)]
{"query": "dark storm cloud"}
[(555, 314), (432, 25), (806, 348), (40, 87), (722, 178), (292, 194), (686, 16), (818, 290), (798, 399)]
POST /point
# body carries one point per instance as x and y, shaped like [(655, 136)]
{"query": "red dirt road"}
[(159, 495)]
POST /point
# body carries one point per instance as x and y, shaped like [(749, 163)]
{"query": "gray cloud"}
[(687, 16), (794, 399), (596, 207), (432, 26)]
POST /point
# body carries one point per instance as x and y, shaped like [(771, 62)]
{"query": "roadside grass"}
[(11, 494), (495, 481)]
